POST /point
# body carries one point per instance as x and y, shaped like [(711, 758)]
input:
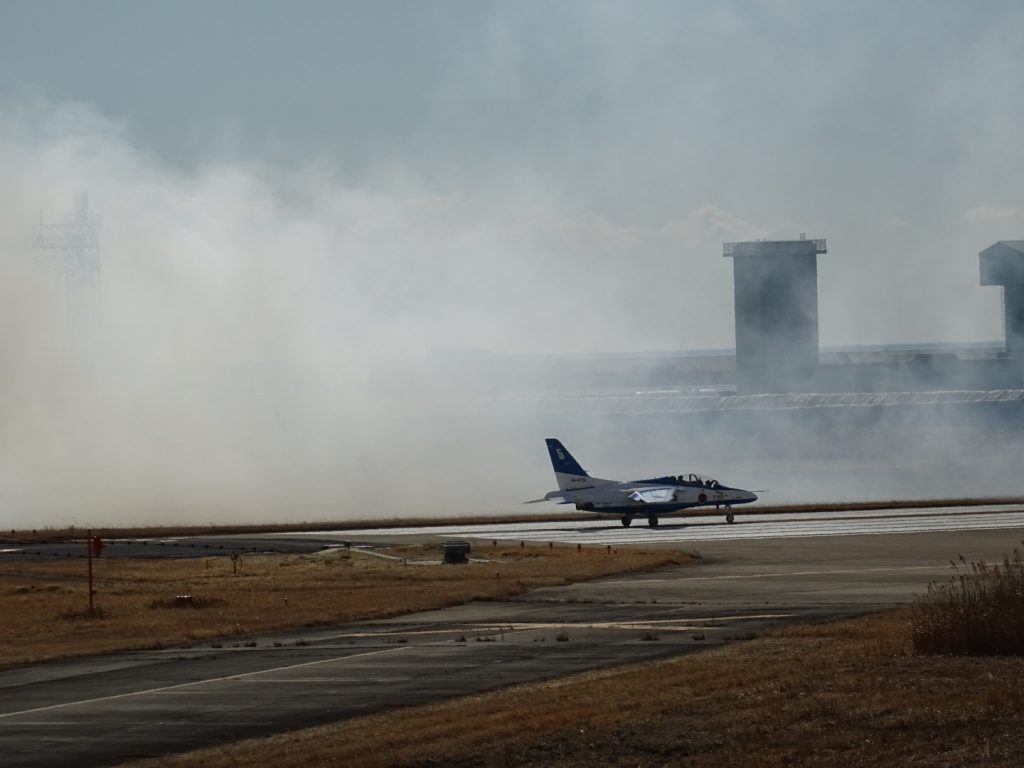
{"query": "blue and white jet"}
[(637, 498)]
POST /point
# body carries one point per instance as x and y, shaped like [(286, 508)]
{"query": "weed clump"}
[(979, 611), (94, 613), (185, 601)]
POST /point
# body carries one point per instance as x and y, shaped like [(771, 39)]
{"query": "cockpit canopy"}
[(691, 481)]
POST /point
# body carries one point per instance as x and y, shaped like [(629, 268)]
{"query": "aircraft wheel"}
[(626, 521), (730, 517), (652, 521)]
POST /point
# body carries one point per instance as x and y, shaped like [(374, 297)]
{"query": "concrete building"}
[(1002, 263), (776, 305), (777, 353)]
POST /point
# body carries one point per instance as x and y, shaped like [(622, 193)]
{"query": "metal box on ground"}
[(455, 551)]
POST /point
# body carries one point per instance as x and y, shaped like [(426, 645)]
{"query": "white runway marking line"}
[(667, 627), (716, 518), (798, 528), (712, 527), (180, 686), (794, 532), (674, 625), (733, 576)]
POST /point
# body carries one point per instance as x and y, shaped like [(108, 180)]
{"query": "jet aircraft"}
[(636, 498)]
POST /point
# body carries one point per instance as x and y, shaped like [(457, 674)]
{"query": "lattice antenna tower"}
[(71, 248)]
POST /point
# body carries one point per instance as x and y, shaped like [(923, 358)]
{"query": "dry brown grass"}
[(849, 693), (45, 603), (979, 610)]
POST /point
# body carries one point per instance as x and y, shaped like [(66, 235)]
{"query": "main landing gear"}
[(652, 520)]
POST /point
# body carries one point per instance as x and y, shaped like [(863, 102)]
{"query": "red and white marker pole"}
[(88, 549), (93, 548)]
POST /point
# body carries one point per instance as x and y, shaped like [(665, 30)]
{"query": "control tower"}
[(776, 299), (1002, 263)]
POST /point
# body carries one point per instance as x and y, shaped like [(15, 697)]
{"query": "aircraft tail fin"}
[(562, 460), (567, 470)]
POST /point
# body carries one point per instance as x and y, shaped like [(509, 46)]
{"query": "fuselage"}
[(614, 498)]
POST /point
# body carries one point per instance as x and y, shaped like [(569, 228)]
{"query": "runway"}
[(708, 528)]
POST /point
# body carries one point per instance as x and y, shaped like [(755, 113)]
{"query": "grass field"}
[(160, 602), (846, 694)]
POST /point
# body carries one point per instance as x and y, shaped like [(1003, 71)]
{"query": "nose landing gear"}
[(626, 520)]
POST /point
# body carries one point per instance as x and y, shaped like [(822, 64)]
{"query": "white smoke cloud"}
[(987, 213), (511, 178), (224, 363), (709, 222)]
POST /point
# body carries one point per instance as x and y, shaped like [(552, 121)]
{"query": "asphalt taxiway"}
[(104, 710)]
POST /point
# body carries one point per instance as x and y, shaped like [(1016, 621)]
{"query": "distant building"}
[(776, 303), (1002, 263)]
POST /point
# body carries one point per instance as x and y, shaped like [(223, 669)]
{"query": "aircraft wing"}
[(654, 494), (550, 497)]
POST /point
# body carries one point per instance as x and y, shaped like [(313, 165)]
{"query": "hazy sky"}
[(290, 191), (651, 131)]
